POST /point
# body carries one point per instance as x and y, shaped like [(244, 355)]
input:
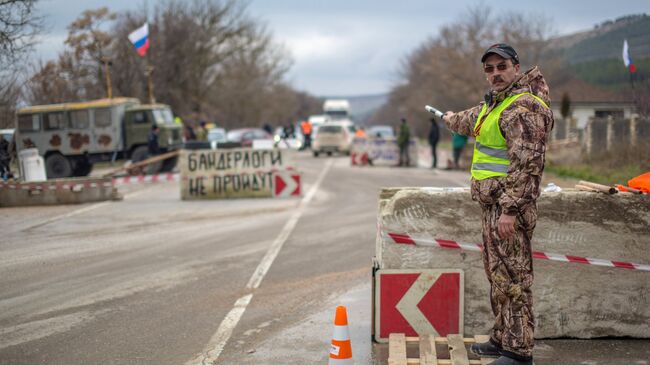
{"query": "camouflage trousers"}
[(509, 268)]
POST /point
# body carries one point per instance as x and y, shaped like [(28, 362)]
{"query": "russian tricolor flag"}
[(140, 39), (626, 58)]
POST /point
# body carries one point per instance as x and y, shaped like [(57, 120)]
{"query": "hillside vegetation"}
[(595, 56), (606, 40)]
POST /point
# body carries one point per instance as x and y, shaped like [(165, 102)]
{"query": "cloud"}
[(361, 53), (50, 45)]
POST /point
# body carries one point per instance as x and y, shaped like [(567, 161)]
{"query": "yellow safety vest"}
[(490, 149)]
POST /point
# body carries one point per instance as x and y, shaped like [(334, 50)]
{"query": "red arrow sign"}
[(286, 183), (417, 302)]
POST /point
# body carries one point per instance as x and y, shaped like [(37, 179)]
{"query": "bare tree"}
[(445, 70), (211, 61), (88, 43), (18, 28), (78, 73)]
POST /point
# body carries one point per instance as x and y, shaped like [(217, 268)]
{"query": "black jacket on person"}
[(434, 133), (4, 151), (152, 143)]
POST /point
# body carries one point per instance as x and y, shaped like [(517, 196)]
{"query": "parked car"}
[(8, 134), (216, 136), (381, 131), (246, 136), (333, 137)]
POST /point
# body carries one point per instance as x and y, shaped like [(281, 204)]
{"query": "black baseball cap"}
[(503, 50)]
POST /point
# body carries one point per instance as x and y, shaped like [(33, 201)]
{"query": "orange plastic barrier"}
[(641, 182)]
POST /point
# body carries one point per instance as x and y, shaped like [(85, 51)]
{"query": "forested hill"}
[(605, 41)]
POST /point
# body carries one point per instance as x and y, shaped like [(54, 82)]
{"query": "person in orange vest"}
[(360, 133), (305, 126)]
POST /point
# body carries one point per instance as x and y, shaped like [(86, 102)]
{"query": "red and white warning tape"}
[(407, 239), (145, 179), (54, 185)]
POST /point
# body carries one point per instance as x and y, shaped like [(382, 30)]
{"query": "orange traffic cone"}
[(341, 348)]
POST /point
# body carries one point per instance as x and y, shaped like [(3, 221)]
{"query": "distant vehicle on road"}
[(380, 131), (8, 134), (336, 109), (316, 121), (216, 136), (73, 136), (333, 137), (246, 136)]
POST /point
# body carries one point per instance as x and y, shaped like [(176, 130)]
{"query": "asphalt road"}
[(152, 279)]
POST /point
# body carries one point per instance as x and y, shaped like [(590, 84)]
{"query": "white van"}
[(336, 109)]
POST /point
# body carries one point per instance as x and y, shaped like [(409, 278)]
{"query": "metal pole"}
[(109, 86), (152, 99)]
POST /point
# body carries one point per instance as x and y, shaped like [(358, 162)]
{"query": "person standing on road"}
[(5, 158), (434, 135), (403, 141), (305, 127), (511, 129), (201, 132), (458, 142), (152, 141)]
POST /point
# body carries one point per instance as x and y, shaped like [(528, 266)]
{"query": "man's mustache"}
[(497, 79)]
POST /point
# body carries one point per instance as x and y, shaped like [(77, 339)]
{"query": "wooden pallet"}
[(458, 354)]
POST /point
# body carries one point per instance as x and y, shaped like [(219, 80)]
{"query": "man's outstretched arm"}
[(462, 122)]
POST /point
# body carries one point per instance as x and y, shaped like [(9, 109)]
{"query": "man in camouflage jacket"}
[(508, 202)]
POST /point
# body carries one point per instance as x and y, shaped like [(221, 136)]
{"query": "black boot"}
[(505, 360), (486, 349)]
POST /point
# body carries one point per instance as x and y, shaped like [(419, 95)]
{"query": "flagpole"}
[(631, 70), (149, 71), (149, 68)]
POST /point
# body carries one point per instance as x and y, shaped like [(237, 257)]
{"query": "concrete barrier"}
[(571, 300), (57, 191)]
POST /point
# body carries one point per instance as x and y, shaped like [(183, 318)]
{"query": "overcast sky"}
[(354, 47)]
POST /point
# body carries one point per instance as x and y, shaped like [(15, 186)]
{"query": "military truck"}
[(71, 137)]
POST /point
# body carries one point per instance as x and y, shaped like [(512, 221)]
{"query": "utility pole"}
[(107, 71)]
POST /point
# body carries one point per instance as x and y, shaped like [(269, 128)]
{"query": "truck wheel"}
[(169, 164), (57, 166), (315, 153), (82, 167), (141, 153), (329, 153)]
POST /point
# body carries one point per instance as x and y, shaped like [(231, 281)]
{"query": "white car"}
[(8, 134), (216, 136), (333, 137), (381, 131)]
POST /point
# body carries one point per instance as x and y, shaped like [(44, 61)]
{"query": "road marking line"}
[(276, 246), (80, 210), (218, 341)]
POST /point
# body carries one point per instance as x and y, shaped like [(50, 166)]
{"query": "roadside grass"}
[(616, 166), (594, 173)]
